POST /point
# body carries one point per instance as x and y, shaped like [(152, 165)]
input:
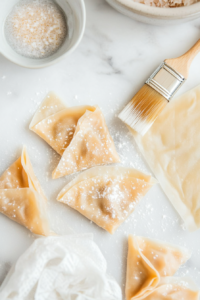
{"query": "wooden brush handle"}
[(182, 64)]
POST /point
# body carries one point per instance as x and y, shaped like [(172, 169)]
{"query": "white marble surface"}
[(114, 58)]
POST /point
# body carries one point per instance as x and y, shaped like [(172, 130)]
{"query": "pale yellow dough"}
[(21, 196), (106, 195), (91, 145), (172, 149), (172, 289), (78, 134), (150, 267)]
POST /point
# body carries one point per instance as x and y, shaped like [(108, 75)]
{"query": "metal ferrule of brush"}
[(166, 81)]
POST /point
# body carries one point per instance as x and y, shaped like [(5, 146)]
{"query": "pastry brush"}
[(141, 112)]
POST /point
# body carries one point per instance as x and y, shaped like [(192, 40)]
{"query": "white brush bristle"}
[(141, 112)]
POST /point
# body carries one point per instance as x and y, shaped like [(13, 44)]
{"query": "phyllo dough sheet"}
[(171, 147)]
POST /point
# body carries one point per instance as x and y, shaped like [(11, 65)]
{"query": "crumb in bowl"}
[(165, 3)]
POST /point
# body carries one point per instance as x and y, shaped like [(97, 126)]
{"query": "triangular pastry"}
[(148, 263), (171, 147), (50, 106), (174, 288), (21, 196), (106, 195), (91, 145), (55, 123), (78, 134)]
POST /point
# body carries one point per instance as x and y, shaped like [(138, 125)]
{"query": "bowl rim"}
[(56, 60), (159, 12)]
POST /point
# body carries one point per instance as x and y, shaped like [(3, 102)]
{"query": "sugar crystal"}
[(36, 28)]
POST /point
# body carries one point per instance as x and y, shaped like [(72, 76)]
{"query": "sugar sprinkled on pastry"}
[(91, 145), (78, 134), (21, 196), (150, 267), (55, 123), (172, 288), (106, 195)]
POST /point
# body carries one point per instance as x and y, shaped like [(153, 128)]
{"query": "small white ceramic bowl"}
[(156, 15), (76, 15)]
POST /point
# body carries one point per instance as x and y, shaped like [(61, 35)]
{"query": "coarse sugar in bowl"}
[(38, 33)]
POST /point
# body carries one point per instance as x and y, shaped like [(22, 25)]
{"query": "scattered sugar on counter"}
[(36, 28)]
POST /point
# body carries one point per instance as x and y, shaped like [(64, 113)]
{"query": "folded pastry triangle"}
[(141, 276), (148, 261), (50, 106), (78, 134), (91, 145), (21, 196), (171, 288), (165, 258), (55, 123), (106, 195)]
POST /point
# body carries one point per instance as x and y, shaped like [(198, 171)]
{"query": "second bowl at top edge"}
[(156, 15)]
